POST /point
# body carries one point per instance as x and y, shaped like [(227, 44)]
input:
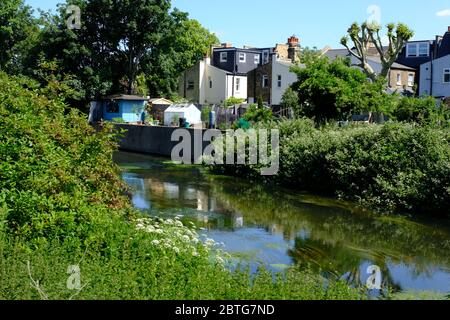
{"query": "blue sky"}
[(316, 22)]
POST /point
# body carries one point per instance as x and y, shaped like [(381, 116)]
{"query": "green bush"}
[(388, 167)]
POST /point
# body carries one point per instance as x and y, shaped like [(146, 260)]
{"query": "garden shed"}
[(187, 111), (127, 108)]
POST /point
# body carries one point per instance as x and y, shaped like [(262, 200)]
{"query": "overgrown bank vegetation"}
[(390, 167), (62, 203)]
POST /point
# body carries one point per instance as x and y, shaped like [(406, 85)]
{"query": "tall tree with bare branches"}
[(368, 35)]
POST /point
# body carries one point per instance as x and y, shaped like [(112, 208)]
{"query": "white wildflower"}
[(156, 243)]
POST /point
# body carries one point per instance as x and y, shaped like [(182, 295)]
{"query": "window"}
[(265, 57), (224, 57), (411, 79), (112, 107), (191, 85), (446, 75), (238, 84), (265, 81), (279, 81), (210, 82), (419, 49), (424, 50), (257, 59), (399, 79), (242, 57)]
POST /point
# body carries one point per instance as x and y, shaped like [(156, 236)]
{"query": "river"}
[(278, 227)]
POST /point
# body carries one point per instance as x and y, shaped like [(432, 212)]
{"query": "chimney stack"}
[(227, 45), (294, 49)]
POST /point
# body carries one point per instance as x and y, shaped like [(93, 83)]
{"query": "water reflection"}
[(281, 227)]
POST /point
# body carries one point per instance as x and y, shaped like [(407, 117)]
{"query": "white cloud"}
[(443, 13)]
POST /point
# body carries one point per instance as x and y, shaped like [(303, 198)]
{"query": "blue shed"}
[(126, 107)]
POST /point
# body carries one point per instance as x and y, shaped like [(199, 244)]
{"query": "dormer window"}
[(418, 49), (224, 57)]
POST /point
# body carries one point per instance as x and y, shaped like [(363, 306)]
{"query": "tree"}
[(335, 91), (185, 42), (368, 34), (16, 26), (290, 101), (130, 46)]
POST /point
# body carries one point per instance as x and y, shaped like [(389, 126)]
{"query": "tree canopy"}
[(335, 90), (129, 46)]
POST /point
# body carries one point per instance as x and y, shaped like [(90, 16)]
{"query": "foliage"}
[(233, 101), (205, 113), (421, 110), (257, 114), (335, 91), (118, 120), (17, 26), (369, 34), (393, 167), (290, 101), (62, 203), (118, 44)]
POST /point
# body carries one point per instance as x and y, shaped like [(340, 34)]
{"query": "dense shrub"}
[(390, 167)]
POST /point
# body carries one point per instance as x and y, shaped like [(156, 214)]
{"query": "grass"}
[(133, 267)]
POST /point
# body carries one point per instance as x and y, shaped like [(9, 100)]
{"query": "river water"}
[(278, 227)]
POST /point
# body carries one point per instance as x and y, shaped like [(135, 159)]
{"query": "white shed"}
[(177, 111)]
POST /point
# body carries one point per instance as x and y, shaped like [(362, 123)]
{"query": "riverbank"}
[(280, 228)]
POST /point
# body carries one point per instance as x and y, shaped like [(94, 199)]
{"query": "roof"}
[(126, 97), (161, 101), (181, 107), (335, 53), (395, 65)]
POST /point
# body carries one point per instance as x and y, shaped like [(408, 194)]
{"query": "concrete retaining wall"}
[(156, 140)]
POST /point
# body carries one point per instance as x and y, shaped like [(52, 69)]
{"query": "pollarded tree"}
[(367, 35)]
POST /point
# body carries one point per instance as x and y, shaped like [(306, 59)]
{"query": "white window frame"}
[(445, 72), (417, 47), (224, 57), (411, 82), (399, 79), (428, 49), (242, 57), (279, 81), (238, 84), (257, 59), (210, 82), (265, 81)]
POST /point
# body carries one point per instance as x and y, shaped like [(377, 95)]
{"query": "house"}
[(187, 111), (224, 75), (401, 78), (435, 73), (270, 80), (428, 58), (128, 108), (207, 84)]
